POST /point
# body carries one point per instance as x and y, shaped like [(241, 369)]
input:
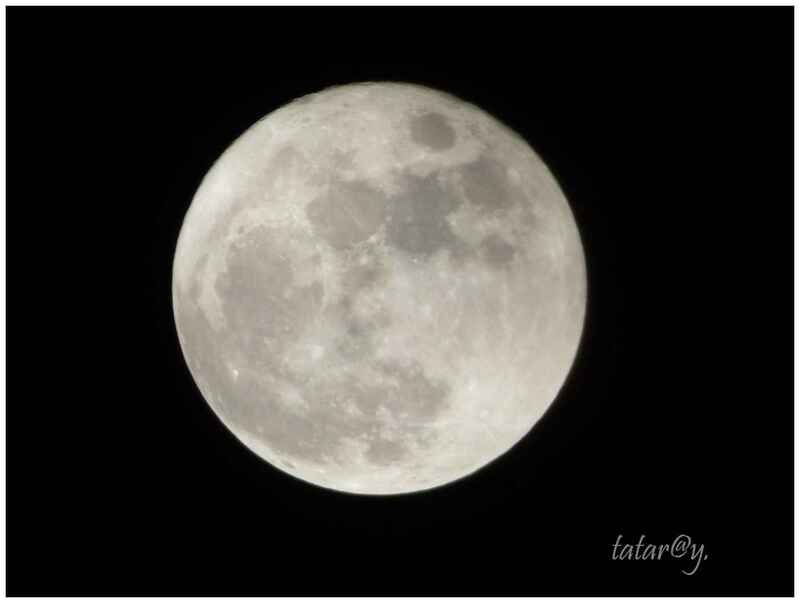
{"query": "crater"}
[(433, 131)]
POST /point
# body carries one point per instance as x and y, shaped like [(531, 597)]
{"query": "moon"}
[(379, 288)]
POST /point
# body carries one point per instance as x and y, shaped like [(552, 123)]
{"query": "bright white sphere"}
[(379, 288)]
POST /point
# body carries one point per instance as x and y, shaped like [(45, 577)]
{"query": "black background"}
[(671, 132)]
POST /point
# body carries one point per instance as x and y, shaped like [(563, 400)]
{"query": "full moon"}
[(379, 288)]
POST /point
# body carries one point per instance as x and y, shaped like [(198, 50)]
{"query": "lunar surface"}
[(379, 288)]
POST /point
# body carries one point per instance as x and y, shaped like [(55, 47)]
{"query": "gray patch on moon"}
[(487, 186), (497, 251), (418, 218), (348, 214), (364, 275), (432, 130), (413, 393), (259, 302)]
